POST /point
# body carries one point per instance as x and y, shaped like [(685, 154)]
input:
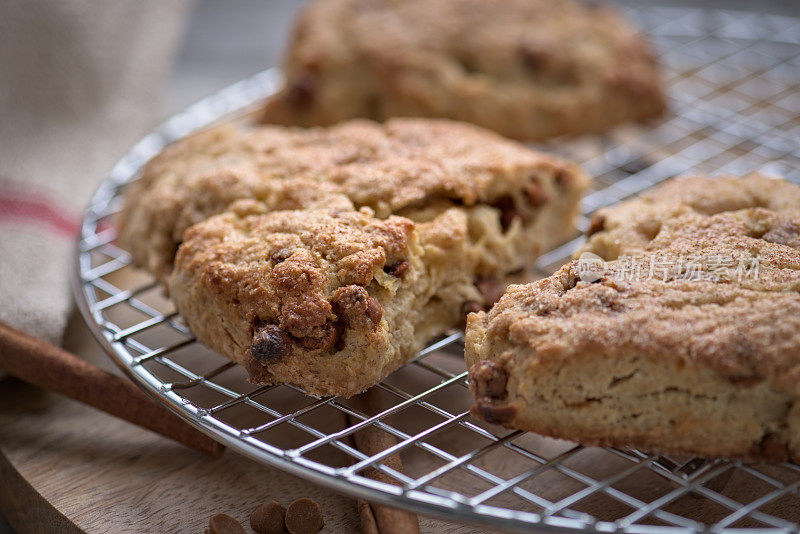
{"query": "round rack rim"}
[(225, 103), (255, 88)]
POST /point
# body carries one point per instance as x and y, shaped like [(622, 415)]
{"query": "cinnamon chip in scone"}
[(224, 524)]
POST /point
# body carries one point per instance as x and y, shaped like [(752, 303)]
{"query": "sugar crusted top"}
[(400, 164), (720, 290)]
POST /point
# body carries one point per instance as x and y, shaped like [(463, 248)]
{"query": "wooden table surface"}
[(65, 467), (68, 468)]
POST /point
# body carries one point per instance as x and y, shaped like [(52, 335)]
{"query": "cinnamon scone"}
[(528, 69), (687, 341), (327, 257), (629, 228), (413, 167)]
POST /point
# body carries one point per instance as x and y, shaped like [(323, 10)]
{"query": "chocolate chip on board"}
[(304, 516), (268, 518), (224, 524)]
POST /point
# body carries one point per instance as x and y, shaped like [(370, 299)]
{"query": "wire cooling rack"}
[(733, 83)]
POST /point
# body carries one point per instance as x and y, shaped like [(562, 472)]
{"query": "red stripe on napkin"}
[(30, 207)]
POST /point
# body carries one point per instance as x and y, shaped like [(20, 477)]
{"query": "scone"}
[(688, 342), (412, 167), (629, 228), (528, 69), (327, 257)]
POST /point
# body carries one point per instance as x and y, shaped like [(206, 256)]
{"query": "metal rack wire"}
[(733, 82)]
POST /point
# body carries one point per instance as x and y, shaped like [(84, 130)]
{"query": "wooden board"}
[(68, 468)]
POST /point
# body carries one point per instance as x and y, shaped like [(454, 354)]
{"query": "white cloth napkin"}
[(79, 84)]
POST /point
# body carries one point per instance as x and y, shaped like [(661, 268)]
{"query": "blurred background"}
[(227, 41)]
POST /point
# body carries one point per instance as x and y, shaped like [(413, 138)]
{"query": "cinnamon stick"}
[(371, 440), (39, 363), (368, 523)]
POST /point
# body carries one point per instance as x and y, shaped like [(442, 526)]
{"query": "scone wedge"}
[(689, 343), (528, 69), (326, 257)]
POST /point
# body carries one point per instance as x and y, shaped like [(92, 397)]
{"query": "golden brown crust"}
[(529, 69), (291, 262), (403, 164), (687, 342), (307, 304), (629, 227)]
